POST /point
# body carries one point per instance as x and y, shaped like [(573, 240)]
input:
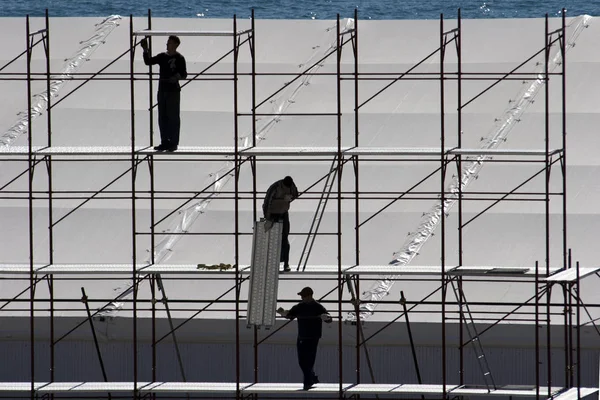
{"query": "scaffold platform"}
[(270, 151), (142, 269), (291, 388)]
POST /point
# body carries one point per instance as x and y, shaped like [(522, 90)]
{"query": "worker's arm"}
[(289, 314), (282, 312), (147, 59), (294, 191), (325, 317), (181, 68), (268, 199)]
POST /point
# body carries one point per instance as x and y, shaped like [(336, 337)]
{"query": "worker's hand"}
[(280, 310), (326, 318), (268, 225), (144, 44)]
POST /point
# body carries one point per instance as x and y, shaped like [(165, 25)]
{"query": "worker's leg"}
[(285, 243)]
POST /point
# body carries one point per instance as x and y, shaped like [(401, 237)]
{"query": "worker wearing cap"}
[(310, 315), (275, 208)]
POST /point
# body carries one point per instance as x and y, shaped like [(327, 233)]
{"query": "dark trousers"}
[(168, 117), (307, 354), (285, 243)]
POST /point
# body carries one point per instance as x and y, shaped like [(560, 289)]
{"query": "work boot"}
[(161, 147), (286, 267)]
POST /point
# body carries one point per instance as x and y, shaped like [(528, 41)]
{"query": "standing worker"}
[(275, 208), (310, 315), (172, 69)]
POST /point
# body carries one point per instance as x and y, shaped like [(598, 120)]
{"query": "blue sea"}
[(302, 9)]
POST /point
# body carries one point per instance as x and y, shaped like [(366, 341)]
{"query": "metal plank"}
[(396, 151), (194, 150), (196, 387), (423, 389), (88, 387), (575, 393), (503, 152), (396, 270), (570, 275), (372, 388), (20, 386), (332, 388)]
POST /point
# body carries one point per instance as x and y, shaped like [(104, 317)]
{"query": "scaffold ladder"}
[(465, 312), (316, 222)]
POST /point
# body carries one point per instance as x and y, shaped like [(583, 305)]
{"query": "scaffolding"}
[(555, 269)]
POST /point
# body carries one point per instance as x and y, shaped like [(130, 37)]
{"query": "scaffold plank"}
[(396, 151), (500, 271), (423, 389), (197, 387), (293, 151), (194, 151), (20, 386), (503, 152), (575, 393), (191, 268), (88, 387), (503, 391), (321, 388), (396, 270), (19, 268), (87, 269), (150, 32), (373, 388), (570, 275)]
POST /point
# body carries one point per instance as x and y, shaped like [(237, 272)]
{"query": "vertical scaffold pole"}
[(548, 41), (537, 331), (442, 201), (356, 194), (340, 287), (461, 370), (133, 204), (578, 322), (153, 280), (253, 163), (30, 213), (236, 157), (563, 53), (50, 197)]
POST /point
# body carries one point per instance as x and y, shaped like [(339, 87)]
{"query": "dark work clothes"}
[(285, 243), (307, 354), (278, 198), (310, 325), (169, 66), (169, 122), (275, 208), (169, 90)]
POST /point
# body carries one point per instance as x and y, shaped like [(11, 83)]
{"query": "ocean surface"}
[(302, 9)]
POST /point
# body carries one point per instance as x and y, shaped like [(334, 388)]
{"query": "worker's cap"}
[(305, 292), (288, 181)]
